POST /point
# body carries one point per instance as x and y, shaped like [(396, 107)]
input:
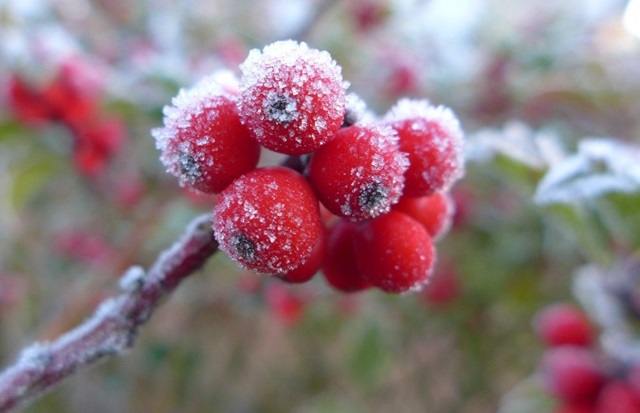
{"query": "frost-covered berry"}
[(292, 97), (339, 266), (203, 142), (435, 212), (394, 252), (432, 138), (562, 324), (309, 267), (359, 174), (268, 220)]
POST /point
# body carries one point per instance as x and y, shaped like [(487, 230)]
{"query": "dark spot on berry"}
[(281, 109), (189, 168), (350, 118), (244, 247), (373, 197)]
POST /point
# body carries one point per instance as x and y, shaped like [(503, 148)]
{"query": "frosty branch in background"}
[(113, 327)]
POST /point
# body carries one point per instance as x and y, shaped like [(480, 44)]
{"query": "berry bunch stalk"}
[(113, 328)]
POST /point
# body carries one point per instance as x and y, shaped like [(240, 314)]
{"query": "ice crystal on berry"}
[(203, 142), (292, 97), (432, 138)]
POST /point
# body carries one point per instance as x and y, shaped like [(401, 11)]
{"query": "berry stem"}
[(113, 327)]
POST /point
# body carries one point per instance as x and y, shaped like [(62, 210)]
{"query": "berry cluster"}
[(72, 98), (572, 370), (381, 182)]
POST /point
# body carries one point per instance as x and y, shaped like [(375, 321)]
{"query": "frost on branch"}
[(600, 166), (114, 325)]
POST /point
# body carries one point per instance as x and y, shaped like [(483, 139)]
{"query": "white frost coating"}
[(292, 97), (132, 279), (188, 126), (357, 111), (34, 357), (617, 338), (536, 150), (445, 146), (600, 166)]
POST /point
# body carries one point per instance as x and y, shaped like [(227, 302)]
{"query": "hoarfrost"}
[(537, 150), (600, 166), (132, 279), (292, 97)]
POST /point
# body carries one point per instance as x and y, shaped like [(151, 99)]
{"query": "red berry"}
[(432, 138), (359, 174), (394, 252), (292, 97), (617, 397), (435, 212), (339, 266), (309, 267), (26, 103), (575, 408), (572, 373), (561, 324), (268, 220), (203, 142)]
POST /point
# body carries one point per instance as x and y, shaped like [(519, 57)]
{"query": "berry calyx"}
[(432, 138), (359, 174), (268, 220), (292, 97), (203, 142), (339, 266), (394, 252)]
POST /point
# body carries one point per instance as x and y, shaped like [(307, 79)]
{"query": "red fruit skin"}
[(435, 212), (575, 408), (617, 397), (563, 324), (305, 271), (339, 266), (203, 142), (432, 138), (572, 374), (359, 174), (394, 252), (292, 98), (268, 220), (26, 103)]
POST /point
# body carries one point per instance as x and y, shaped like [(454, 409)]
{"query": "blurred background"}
[(83, 196)]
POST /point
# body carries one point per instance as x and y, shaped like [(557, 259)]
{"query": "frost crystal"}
[(601, 166), (433, 139), (132, 279), (292, 97)]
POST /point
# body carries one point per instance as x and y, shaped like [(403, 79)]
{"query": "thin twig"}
[(112, 329)]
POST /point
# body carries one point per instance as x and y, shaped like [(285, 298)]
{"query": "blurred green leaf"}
[(369, 356), (30, 177)]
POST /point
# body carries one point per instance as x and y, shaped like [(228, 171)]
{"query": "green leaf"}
[(30, 177), (369, 357)]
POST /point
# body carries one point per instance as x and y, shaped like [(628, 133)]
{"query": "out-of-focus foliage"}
[(529, 83)]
